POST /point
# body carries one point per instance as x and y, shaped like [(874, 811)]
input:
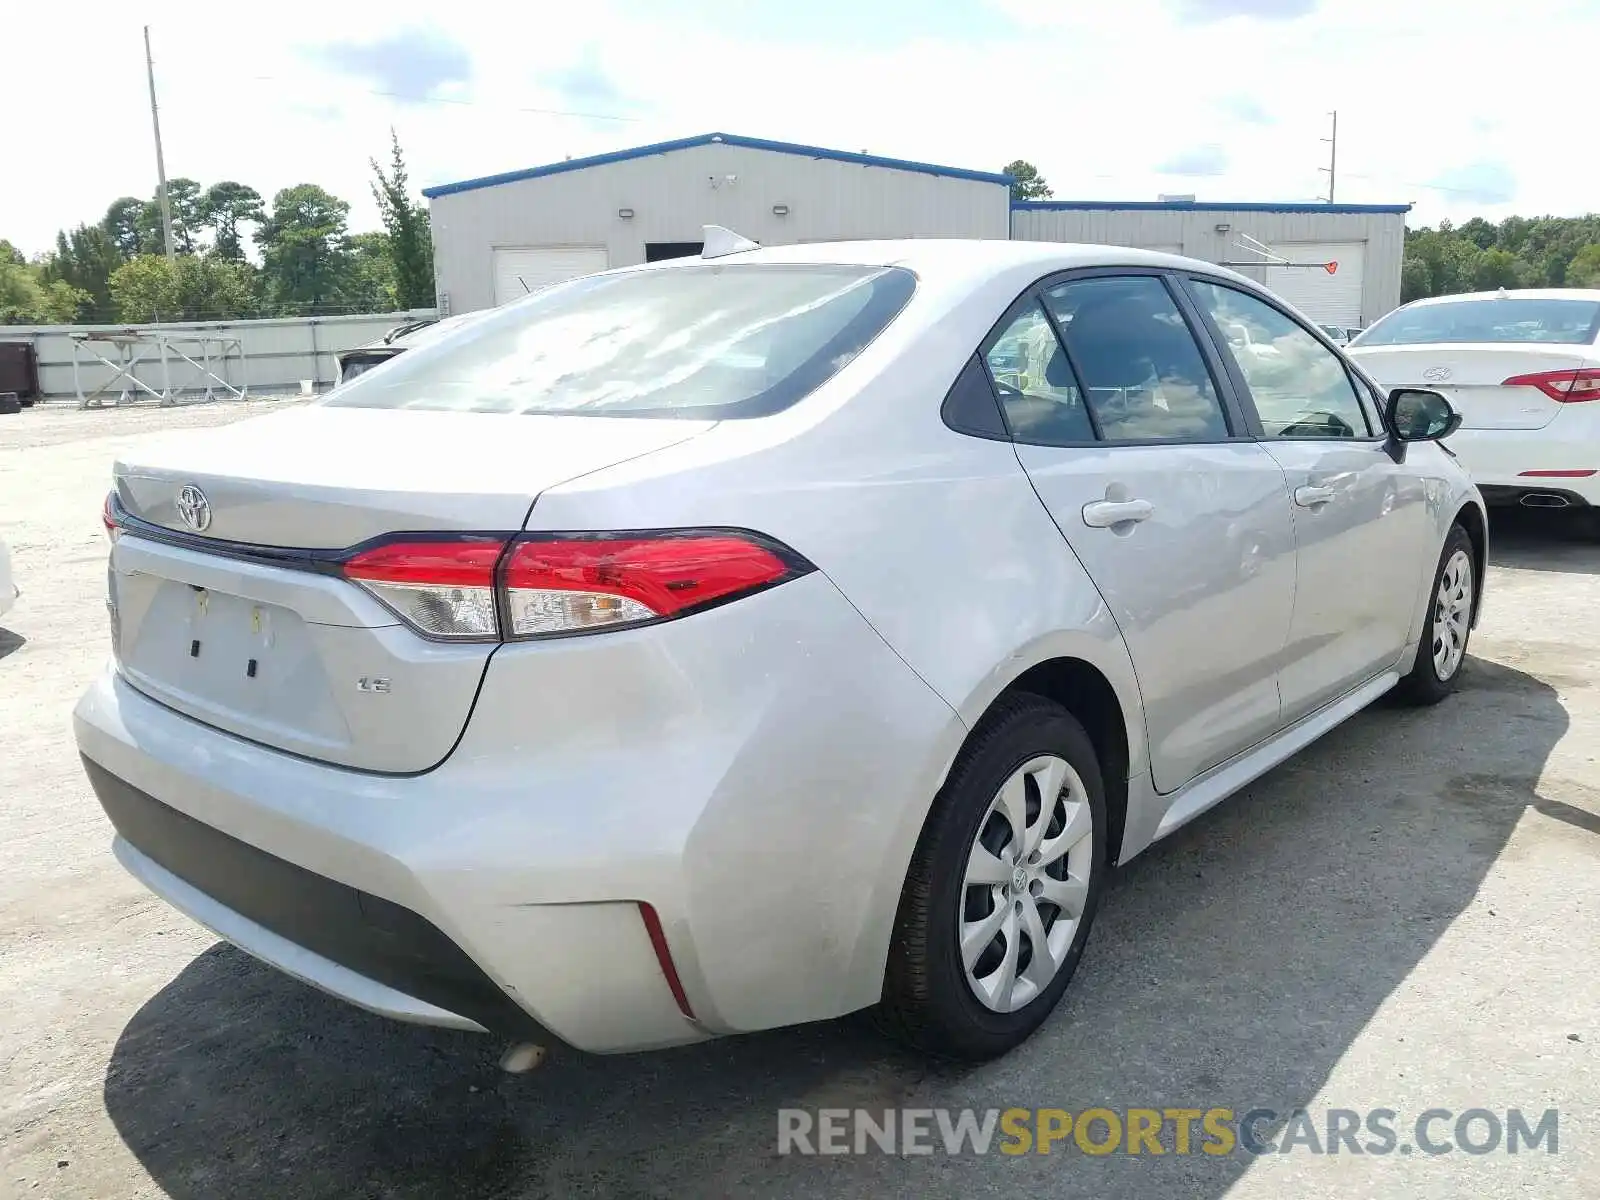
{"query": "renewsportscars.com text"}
[(1154, 1131)]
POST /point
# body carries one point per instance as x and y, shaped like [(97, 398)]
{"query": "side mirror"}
[(1421, 416)]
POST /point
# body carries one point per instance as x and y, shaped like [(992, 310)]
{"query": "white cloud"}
[(1099, 97)]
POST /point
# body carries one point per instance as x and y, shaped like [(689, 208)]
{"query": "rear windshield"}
[(694, 341), (1568, 322)]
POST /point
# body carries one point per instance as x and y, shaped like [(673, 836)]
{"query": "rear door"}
[(1179, 517), (1361, 520)]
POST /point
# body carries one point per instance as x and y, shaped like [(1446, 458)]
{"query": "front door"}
[(1361, 521), (1183, 526)]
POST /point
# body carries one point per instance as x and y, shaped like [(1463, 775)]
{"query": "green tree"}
[(305, 249), (371, 282), (1494, 269), (25, 299), (20, 294), (84, 259), (194, 288), (123, 225), (1584, 269), (1026, 182), (410, 235), (222, 207), (188, 216), (1416, 279)]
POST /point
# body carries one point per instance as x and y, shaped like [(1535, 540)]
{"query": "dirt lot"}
[(1407, 916)]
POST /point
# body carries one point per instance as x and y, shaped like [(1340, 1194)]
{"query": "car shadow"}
[(1531, 539), (10, 642), (1232, 966)]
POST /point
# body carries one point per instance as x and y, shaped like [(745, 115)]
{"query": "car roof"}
[(951, 259), (1514, 294)]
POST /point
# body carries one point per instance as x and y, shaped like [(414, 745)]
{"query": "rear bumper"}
[(1499, 460), (764, 803), (323, 932)]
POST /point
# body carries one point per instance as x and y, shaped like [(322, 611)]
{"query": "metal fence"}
[(277, 355)]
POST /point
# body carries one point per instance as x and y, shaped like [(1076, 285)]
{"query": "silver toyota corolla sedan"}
[(727, 643)]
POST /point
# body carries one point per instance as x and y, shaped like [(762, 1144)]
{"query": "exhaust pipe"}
[(1543, 500)]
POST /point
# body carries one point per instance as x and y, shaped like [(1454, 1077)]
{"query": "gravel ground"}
[(1404, 916)]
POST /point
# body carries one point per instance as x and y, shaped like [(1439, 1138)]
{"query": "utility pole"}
[(161, 166), (1331, 170)]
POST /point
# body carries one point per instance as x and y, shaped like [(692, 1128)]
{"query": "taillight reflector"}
[(658, 943), (108, 516), (1573, 474), (1573, 386)]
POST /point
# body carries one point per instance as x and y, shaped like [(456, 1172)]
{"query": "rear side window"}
[(1138, 362), (1035, 383), (701, 342), (1547, 321)]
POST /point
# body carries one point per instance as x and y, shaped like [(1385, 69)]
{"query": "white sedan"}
[(720, 644), (1523, 370)]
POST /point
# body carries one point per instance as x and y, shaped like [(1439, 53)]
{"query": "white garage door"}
[(1327, 299), (519, 270)]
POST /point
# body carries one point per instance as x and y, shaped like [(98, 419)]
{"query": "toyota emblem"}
[(194, 508)]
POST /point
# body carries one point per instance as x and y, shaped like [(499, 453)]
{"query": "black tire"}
[(927, 1002), (1422, 685)]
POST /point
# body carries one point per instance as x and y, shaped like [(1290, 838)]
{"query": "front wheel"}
[(1443, 649), (1002, 889)]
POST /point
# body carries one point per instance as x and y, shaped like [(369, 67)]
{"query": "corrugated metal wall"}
[(672, 195), (279, 353), (1196, 232)]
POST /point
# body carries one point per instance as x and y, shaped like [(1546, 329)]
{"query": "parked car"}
[(8, 585), (1523, 370), (1339, 335), (401, 338), (722, 644)]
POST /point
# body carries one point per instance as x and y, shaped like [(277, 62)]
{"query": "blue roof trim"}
[(707, 139), (1197, 206)]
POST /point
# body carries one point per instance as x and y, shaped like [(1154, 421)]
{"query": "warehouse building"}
[(1363, 244), (502, 236)]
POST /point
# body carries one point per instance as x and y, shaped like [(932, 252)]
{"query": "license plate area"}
[(231, 660)]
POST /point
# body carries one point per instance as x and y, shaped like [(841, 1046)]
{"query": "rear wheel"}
[(1002, 889), (1442, 652)]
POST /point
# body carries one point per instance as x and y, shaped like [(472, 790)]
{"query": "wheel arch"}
[(1472, 518), (1089, 695)]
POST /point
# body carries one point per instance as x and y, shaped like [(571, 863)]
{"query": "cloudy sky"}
[(1462, 107)]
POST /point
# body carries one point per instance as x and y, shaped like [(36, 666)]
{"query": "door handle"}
[(1311, 497), (1103, 514)]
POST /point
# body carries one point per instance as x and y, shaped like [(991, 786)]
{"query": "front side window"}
[(702, 342), (1145, 377), (1512, 319), (1300, 387)]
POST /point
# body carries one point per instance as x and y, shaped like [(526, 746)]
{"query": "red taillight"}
[(108, 516), (444, 589), (1573, 386), (568, 583), (564, 584)]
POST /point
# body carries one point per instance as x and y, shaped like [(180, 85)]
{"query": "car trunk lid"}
[(1473, 378), (246, 624)]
